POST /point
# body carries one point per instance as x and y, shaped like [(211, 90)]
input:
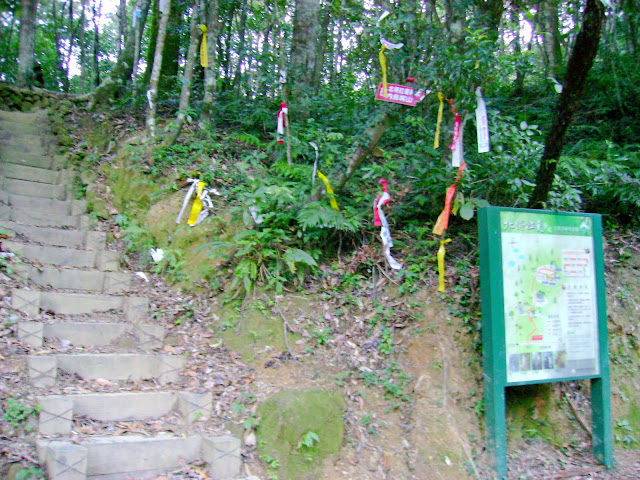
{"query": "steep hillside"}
[(400, 364)]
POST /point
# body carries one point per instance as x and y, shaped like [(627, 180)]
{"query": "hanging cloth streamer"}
[(436, 140), (457, 155), (456, 127), (482, 124), (442, 224), (282, 113), (330, 193), (380, 220), (441, 268), (383, 69), (204, 55), (315, 165), (386, 45)]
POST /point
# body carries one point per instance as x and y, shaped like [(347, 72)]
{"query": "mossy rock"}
[(287, 417)]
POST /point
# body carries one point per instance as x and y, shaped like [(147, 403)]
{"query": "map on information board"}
[(550, 303)]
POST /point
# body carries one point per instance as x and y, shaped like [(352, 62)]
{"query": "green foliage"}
[(136, 237), (624, 433), (17, 412), (30, 474), (308, 441), (322, 336), (171, 266), (393, 381)]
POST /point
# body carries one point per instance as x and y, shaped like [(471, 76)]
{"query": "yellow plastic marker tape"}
[(196, 208), (441, 268), (436, 141), (383, 67), (330, 194), (204, 56)]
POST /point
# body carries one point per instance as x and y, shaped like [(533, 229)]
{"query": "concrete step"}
[(53, 162), (35, 189), (38, 128), (36, 144), (58, 411), (59, 207), (35, 174), (43, 369), (24, 118), (136, 457), (90, 334), (55, 237), (104, 260), (32, 301), (112, 283), (43, 219)]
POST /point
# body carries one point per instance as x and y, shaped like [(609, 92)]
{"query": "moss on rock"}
[(287, 417)]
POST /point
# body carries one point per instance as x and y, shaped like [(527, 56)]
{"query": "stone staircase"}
[(74, 295)]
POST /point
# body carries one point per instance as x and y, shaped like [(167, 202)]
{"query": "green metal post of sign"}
[(602, 432), (493, 341), (543, 314)]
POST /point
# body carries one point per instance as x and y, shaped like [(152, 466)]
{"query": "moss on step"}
[(286, 421)]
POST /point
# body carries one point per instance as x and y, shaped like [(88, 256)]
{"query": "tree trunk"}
[(95, 56), (580, 62), (152, 93), (120, 75), (67, 59), (551, 42), (210, 73), (490, 15), (237, 77), (151, 49), (322, 47), (304, 44), (386, 117), (122, 24), (187, 84), (82, 41), (57, 27), (518, 84), (27, 43), (138, 21), (171, 54)]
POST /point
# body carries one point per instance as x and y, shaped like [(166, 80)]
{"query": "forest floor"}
[(412, 411)]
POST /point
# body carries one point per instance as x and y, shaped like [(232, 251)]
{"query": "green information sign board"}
[(543, 313)]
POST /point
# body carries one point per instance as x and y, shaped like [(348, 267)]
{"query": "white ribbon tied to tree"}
[(380, 220), (482, 124), (315, 165)]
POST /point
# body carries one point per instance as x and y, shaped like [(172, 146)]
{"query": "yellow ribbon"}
[(330, 194), (204, 56), (436, 142), (441, 268), (383, 67), (196, 208)]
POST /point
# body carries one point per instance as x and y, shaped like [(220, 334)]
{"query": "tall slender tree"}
[(187, 82), (580, 62), (27, 42), (304, 45), (152, 93)]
